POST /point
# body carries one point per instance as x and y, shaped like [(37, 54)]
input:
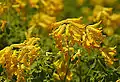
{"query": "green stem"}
[(68, 63), (91, 67), (101, 65)]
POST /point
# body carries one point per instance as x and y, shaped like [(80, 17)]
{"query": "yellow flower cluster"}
[(40, 19), (3, 8), (17, 5), (109, 20), (73, 30), (3, 24), (52, 7), (62, 71), (18, 57), (20, 4), (47, 15), (70, 31), (108, 53)]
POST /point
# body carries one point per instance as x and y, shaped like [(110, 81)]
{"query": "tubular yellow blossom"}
[(110, 21), (61, 29), (3, 8), (52, 7), (56, 76), (80, 33), (3, 24), (61, 68), (16, 61), (67, 30), (42, 20), (108, 54)]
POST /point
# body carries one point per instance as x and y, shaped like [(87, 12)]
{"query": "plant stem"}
[(69, 59)]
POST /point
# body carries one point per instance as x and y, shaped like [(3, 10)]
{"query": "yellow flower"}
[(75, 58), (3, 24), (62, 71), (69, 76), (42, 19), (52, 7), (22, 3), (93, 37), (3, 8), (16, 61), (110, 21), (56, 76), (118, 80), (108, 53), (73, 31)]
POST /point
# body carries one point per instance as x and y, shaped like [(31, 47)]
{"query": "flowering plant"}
[(59, 41)]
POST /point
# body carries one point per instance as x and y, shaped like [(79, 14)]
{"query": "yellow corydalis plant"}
[(70, 31), (108, 53), (109, 20), (52, 7), (47, 15), (3, 8), (38, 21), (101, 12), (18, 5), (41, 19), (18, 57), (73, 30), (4, 22), (23, 3), (62, 69)]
